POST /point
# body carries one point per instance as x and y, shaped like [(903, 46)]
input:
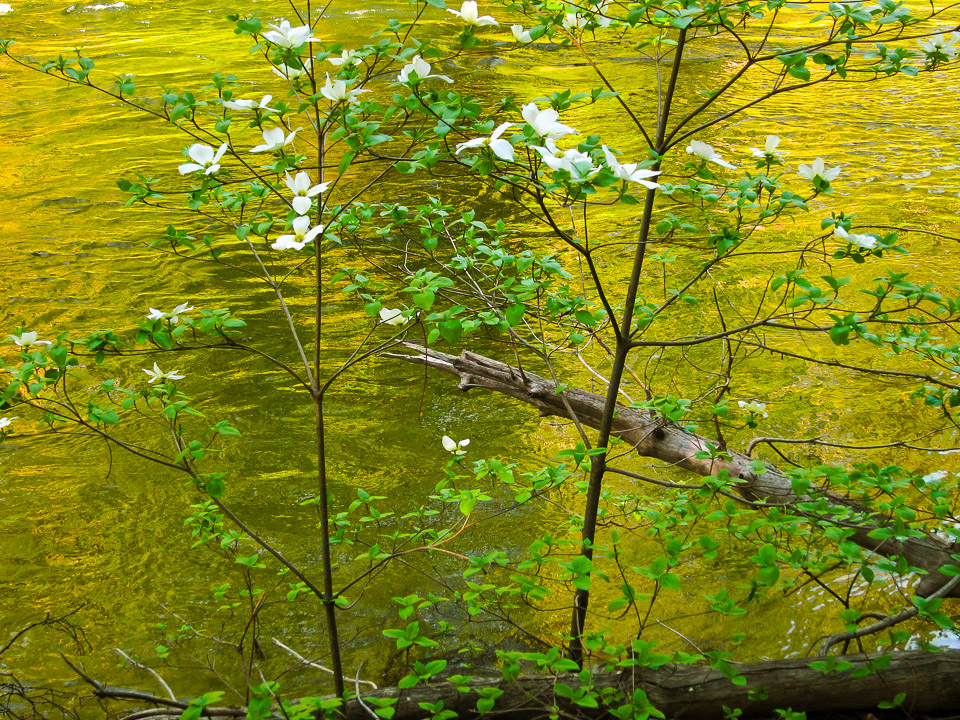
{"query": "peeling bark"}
[(655, 438)]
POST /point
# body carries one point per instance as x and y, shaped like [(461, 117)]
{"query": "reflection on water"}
[(80, 528)]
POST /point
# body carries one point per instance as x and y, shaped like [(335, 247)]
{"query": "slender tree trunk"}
[(598, 463), (329, 604)]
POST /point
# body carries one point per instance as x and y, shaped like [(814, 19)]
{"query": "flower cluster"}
[(578, 164)]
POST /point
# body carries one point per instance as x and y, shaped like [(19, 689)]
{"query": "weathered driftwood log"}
[(654, 438), (929, 681)]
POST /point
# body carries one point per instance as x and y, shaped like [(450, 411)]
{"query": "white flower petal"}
[(302, 204)]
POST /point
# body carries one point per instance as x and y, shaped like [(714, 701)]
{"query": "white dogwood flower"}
[(519, 34), (818, 170), (337, 90), (500, 147), (471, 15), (600, 17), (274, 139), (452, 446), (5, 422), (26, 339), (935, 477), (302, 234), (391, 316), (291, 73), (867, 242), (578, 164), (302, 191), (572, 21), (174, 314), (544, 122), (422, 69), (705, 151), (204, 158), (757, 408), (630, 171), (940, 43), (5, 8), (769, 149), (289, 37), (264, 104), (158, 374)]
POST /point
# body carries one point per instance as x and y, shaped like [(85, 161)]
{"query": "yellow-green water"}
[(80, 528)]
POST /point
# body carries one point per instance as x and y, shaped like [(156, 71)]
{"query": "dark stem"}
[(598, 463), (329, 602)]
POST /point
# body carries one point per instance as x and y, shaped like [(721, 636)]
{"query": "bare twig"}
[(151, 671), (888, 621), (318, 666)]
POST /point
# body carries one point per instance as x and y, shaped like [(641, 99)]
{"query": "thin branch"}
[(149, 670), (317, 666)]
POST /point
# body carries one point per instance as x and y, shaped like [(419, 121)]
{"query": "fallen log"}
[(651, 436), (928, 681)]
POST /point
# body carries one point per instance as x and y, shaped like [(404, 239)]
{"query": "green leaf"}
[(514, 314), (259, 708), (424, 300), (342, 168), (408, 681), (450, 330)]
